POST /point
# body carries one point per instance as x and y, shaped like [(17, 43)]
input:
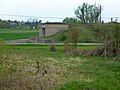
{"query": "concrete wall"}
[(51, 29)]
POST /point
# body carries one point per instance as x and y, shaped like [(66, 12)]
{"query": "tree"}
[(110, 36), (73, 36), (89, 13), (71, 21)]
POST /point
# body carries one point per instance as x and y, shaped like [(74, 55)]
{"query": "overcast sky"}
[(53, 8)]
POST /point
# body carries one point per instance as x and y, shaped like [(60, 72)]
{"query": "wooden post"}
[(40, 29), (36, 40)]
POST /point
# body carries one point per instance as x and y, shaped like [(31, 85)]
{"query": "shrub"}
[(63, 37), (52, 47), (1, 43), (73, 36)]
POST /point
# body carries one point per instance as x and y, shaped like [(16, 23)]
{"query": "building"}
[(52, 28)]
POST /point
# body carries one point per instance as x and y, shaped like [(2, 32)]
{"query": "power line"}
[(110, 17), (30, 16), (16, 15)]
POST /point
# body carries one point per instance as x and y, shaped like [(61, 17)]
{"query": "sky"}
[(53, 8)]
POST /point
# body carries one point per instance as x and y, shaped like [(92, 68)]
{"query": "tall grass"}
[(35, 67)]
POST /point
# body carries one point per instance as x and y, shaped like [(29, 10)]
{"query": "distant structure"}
[(52, 28)]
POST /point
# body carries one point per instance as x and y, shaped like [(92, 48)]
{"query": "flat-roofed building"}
[(52, 28)]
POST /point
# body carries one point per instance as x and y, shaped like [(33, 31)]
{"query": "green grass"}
[(105, 73), (14, 34), (18, 29), (86, 35), (84, 47), (65, 71)]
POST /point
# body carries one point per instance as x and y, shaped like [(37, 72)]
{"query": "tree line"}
[(8, 24)]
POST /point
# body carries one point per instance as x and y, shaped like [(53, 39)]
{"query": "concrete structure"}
[(52, 28)]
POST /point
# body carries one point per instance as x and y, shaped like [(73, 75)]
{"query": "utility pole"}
[(100, 13)]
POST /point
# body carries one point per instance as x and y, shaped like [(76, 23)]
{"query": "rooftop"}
[(55, 23)]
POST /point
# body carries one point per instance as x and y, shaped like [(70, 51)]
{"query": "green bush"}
[(63, 37), (2, 43)]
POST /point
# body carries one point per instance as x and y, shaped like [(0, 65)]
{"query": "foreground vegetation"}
[(36, 68)]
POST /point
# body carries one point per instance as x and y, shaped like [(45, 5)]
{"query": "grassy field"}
[(36, 68), (13, 34)]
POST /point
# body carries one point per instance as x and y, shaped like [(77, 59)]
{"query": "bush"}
[(63, 37), (1, 43), (52, 47)]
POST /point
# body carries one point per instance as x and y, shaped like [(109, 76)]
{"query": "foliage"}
[(56, 70), (71, 21), (110, 37), (8, 24), (63, 37), (52, 47), (88, 13), (73, 36), (87, 34), (1, 43)]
